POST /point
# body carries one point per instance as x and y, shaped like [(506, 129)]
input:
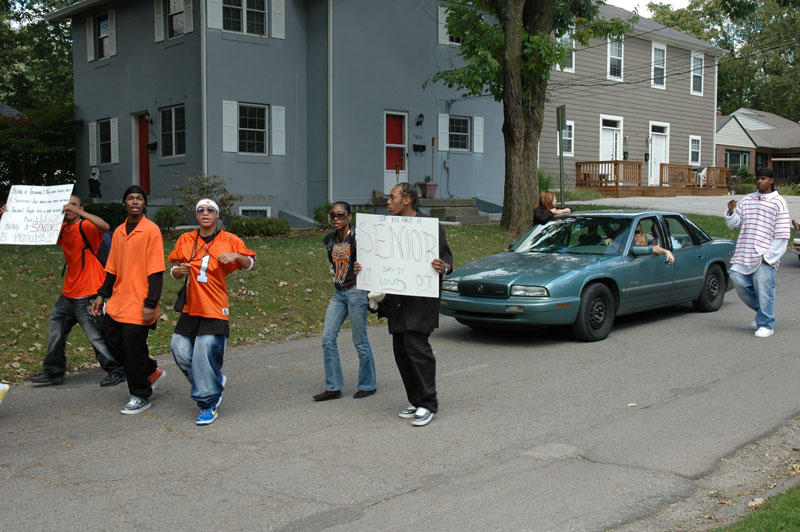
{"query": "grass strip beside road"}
[(778, 514)]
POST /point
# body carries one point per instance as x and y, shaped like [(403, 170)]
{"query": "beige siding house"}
[(650, 98)]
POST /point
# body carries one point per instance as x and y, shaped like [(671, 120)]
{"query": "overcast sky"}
[(642, 5)]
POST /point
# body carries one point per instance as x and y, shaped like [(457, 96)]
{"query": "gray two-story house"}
[(297, 102)]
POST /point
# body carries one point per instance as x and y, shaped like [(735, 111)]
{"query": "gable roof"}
[(651, 30), (766, 130), (10, 112)]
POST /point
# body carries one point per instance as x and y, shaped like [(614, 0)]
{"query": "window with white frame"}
[(252, 128), (104, 140), (614, 60), (658, 77), (735, 159), (444, 36), (698, 67), (254, 212), (175, 18), (101, 36), (568, 42), (173, 131), (568, 138), (694, 150), (459, 133), (245, 16)]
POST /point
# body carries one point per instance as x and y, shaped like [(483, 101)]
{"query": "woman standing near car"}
[(546, 210), (346, 300)]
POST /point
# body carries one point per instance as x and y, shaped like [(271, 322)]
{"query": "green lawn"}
[(779, 514)]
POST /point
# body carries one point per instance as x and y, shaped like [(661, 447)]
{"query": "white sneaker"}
[(408, 412), (422, 417), (136, 405), (763, 332)]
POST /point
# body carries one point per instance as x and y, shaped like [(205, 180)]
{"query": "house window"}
[(254, 212), (659, 72), (568, 43), (736, 159), (614, 65), (568, 137), (175, 18), (459, 133), (252, 128), (103, 36), (694, 150), (444, 36), (698, 67), (245, 16), (104, 140), (173, 131)]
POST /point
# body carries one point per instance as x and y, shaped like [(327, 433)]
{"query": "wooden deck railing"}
[(675, 175), (607, 173), (716, 176)]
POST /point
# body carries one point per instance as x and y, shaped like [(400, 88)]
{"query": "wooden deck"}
[(623, 179)]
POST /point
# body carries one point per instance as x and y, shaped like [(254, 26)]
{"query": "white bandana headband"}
[(205, 202)]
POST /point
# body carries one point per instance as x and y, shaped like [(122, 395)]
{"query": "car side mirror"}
[(639, 251)]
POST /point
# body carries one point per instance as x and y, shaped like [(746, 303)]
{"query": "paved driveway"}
[(536, 432), (712, 205)]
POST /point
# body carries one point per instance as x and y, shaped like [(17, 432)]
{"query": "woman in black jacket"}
[(546, 210)]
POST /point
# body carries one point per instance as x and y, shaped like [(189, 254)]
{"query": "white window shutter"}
[(90, 39), (188, 17), (92, 143), (278, 130), (444, 132), (442, 25), (477, 141), (215, 14), (278, 19), (114, 141), (158, 19), (112, 32), (230, 135)]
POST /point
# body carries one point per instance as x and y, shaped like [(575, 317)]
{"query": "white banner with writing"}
[(33, 216), (395, 253)]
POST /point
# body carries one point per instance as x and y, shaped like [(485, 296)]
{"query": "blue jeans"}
[(65, 314), (200, 359), (353, 302), (757, 291)]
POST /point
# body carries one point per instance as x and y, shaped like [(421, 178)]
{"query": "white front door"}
[(395, 152), (610, 145), (659, 152), (609, 142)]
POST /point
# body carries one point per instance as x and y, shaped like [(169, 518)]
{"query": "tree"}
[(760, 70), (509, 48)]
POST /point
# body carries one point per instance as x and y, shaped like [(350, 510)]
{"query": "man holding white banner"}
[(412, 319)]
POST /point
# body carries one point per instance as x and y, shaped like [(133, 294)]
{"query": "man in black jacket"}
[(411, 321)]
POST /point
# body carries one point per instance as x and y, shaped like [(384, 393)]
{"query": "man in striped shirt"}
[(764, 220)]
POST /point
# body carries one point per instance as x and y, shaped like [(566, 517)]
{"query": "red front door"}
[(144, 154)]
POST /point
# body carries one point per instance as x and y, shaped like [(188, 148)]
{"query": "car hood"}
[(536, 269)]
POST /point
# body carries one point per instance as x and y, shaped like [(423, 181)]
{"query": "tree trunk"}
[(523, 113)]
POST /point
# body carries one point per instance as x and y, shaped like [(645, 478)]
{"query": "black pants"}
[(417, 365), (128, 343)]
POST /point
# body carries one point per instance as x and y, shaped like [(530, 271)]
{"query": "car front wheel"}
[(713, 292), (596, 314)]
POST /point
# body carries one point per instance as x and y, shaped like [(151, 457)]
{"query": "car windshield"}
[(593, 235)]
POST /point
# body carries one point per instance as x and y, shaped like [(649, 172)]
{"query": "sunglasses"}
[(637, 232), (335, 215), (201, 210)]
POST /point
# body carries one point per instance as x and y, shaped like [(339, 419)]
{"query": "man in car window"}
[(764, 220)]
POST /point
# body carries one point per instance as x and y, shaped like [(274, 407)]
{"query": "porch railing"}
[(716, 176), (608, 173), (676, 175)]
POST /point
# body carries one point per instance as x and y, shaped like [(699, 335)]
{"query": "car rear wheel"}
[(713, 292), (596, 314)]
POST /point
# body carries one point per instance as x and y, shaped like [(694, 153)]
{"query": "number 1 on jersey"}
[(202, 277)]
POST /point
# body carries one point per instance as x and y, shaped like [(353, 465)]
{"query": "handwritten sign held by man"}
[(395, 253), (33, 216)]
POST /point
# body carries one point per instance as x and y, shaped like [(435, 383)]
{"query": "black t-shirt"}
[(343, 257)]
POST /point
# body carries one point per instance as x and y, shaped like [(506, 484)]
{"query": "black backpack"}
[(102, 250)]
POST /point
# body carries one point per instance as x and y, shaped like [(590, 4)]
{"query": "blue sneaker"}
[(207, 416)]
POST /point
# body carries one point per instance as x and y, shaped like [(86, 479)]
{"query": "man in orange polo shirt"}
[(207, 256), (84, 276), (132, 288)]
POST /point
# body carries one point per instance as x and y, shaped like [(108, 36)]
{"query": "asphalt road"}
[(535, 432)]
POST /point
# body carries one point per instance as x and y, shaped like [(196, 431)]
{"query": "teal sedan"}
[(584, 269)]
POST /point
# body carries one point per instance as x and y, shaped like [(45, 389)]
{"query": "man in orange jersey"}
[(207, 256), (132, 288), (84, 275)]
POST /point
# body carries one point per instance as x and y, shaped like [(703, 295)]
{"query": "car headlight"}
[(450, 286), (529, 291)]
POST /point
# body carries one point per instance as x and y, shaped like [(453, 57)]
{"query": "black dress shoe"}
[(327, 395), (44, 378), (112, 379), (363, 393)]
